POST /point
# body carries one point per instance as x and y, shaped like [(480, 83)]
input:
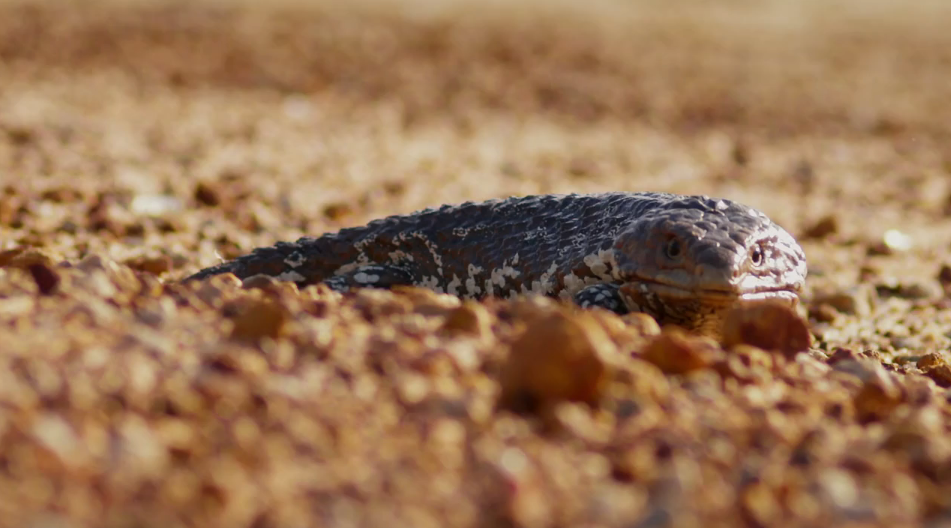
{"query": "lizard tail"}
[(284, 261)]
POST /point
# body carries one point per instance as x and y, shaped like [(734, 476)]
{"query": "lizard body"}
[(682, 259)]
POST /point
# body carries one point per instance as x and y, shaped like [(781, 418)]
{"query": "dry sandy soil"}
[(140, 142)]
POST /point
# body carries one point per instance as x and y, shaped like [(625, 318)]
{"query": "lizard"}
[(683, 259)]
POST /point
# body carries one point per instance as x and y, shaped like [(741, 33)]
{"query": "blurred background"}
[(146, 139)]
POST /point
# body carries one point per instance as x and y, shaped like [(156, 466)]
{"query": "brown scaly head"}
[(687, 264)]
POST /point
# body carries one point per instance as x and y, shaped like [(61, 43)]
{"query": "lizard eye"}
[(757, 256), (674, 249)]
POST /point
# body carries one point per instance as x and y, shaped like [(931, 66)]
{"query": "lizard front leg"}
[(604, 295)]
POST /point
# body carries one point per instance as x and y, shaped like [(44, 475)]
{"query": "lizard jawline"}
[(720, 297)]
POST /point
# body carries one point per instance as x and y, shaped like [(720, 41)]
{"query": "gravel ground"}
[(140, 142)]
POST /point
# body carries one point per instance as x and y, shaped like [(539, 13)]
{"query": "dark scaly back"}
[(501, 247), (531, 243)]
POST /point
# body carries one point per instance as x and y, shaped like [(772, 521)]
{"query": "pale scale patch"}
[(574, 284), (290, 276), (498, 275), (295, 259), (473, 289), (361, 261), (400, 256), (631, 305), (496, 278), (430, 246), (543, 285), (362, 243), (432, 283), (366, 278), (506, 271), (603, 264), (536, 287), (454, 284), (433, 250)]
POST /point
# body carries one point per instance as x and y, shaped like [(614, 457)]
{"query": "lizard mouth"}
[(779, 294), (712, 295)]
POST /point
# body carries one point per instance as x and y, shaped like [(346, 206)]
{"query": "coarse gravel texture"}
[(142, 141)]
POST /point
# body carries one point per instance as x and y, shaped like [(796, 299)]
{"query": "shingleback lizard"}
[(683, 259)]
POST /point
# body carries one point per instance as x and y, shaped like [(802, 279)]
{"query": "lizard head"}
[(689, 262)]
